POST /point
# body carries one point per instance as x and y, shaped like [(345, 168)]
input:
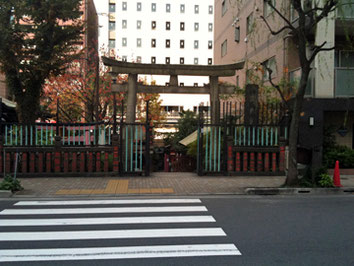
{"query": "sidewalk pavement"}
[(158, 183)]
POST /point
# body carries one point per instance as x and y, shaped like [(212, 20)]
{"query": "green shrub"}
[(9, 183), (343, 154), (325, 181)]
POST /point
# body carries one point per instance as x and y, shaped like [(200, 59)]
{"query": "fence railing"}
[(43, 134), (257, 135), (241, 149)]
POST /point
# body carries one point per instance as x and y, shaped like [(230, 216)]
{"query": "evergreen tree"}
[(38, 38)]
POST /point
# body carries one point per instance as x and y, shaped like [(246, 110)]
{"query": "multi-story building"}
[(163, 32), (241, 34)]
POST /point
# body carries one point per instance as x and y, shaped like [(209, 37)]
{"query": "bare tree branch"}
[(289, 24), (319, 48), (272, 31), (277, 87)]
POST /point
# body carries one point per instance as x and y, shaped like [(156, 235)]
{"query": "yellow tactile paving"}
[(62, 191), (117, 186), (144, 190), (98, 191), (73, 191), (156, 190), (111, 187), (133, 191), (86, 191), (122, 187), (168, 190)]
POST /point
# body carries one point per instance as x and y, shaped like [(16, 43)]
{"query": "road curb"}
[(5, 193), (294, 191)]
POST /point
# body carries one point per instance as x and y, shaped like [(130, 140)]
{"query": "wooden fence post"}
[(116, 159), (282, 155), (57, 153)]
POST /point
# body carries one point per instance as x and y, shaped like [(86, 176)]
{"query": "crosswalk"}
[(110, 229)]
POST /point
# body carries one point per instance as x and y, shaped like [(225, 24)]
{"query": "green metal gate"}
[(134, 149)]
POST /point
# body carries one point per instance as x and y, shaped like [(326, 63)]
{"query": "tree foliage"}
[(186, 125), (38, 39)]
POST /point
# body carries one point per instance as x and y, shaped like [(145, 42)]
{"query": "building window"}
[(237, 34), (181, 26), (210, 44), (168, 43), (138, 24), (210, 61), (267, 9), (153, 7), (153, 43), (153, 25), (124, 24), (181, 60), (210, 27), (138, 59), (196, 26), (138, 6), (124, 6), (168, 25), (112, 8), (168, 8), (210, 10), (112, 43), (196, 61), (112, 25), (138, 42), (181, 44), (224, 7), (153, 60), (182, 8), (196, 44), (224, 48), (124, 42), (249, 24), (124, 58), (167, 60), (269, 65), (196, 9)]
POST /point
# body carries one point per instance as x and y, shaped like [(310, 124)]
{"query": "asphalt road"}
[(270, 230)]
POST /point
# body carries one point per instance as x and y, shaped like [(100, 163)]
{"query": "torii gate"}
[(134, 69)]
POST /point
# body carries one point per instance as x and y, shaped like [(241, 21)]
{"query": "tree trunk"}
[(292, 175), (27, 108)]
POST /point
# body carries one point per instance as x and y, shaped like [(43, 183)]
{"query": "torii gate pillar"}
[(214, 99), (131, 102)]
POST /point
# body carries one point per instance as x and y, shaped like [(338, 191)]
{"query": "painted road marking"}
[(107, 220), (97, 253), (92, 202), (103, 210), (111, 234)]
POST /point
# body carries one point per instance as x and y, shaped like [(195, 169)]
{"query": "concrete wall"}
[(3, 88), (324, 61), (336, 119), (256, 47)]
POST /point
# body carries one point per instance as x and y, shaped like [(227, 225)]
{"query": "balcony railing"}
[(346, 10), (344, 82)]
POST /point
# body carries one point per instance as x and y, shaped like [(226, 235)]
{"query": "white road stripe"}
[(100, 253), (111, 234), (107, 220), (91, 202), (103, 210)]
